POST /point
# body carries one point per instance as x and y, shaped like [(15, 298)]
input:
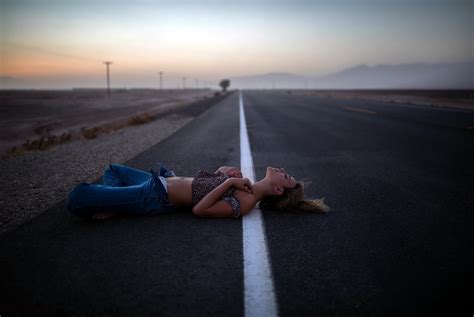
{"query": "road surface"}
[(399, 179)]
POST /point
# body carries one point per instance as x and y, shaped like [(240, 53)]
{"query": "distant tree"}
[(225, 83)]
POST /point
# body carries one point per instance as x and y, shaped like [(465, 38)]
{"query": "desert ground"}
[(459, 99), (36, 119)]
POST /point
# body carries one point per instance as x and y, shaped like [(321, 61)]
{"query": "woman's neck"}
[(261, 189)]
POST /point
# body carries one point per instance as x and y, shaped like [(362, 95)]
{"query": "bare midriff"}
[(180, 191)]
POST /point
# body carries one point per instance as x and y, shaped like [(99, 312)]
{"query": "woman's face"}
[(279, 177)]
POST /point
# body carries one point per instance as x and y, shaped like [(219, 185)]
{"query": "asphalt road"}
[(399, 179)]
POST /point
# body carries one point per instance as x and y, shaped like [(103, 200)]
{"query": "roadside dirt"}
[(433, 98), (37, 119)]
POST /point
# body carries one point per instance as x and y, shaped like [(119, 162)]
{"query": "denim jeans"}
[(125, 190)]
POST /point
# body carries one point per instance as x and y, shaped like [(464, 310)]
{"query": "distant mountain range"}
[(403, 76)]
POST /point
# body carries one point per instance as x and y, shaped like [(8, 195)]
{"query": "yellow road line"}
[(359, 110)]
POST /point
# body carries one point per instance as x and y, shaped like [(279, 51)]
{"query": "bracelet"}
[(235, 204)]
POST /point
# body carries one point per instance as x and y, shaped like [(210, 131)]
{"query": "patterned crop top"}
[(204, 182)]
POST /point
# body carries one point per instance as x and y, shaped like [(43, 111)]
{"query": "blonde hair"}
[(292, 200)]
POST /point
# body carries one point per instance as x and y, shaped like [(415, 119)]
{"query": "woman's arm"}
[(212, 205)]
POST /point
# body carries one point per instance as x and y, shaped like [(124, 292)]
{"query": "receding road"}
[(399, 240)]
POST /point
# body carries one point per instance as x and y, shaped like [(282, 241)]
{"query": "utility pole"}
[(107, 63), (161, 80), (184, 82)]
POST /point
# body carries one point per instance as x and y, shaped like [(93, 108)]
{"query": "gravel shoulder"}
[(28, 118)]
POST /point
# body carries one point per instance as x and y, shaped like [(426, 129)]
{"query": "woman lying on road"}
[(224, 193)]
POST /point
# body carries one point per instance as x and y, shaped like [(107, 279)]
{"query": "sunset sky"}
[(48, 44)]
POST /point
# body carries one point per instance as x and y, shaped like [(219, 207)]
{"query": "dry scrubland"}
[(459, 99), (73, 135), (36, 120)]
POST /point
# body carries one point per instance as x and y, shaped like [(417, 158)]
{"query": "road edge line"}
[(259, 291)]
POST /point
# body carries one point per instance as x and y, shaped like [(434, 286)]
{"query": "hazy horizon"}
[(58, 44)]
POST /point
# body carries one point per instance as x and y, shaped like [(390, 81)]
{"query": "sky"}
[(61, 44)]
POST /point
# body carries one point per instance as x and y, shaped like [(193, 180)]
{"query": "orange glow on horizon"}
[(26, 64)]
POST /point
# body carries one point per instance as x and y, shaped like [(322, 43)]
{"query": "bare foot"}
[(103, 215)]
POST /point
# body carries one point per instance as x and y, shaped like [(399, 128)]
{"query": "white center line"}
[(259, 293)]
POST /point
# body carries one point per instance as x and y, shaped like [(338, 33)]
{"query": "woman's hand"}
[(230, 171), (243, 184)]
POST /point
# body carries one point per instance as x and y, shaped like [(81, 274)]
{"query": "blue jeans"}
[(125, 190)]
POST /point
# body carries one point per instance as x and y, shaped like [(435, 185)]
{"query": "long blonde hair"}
[(292, 200)]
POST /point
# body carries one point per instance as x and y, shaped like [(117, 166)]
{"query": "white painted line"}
[(259, 293)]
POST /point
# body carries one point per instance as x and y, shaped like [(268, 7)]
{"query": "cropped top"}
[(204, 182)]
